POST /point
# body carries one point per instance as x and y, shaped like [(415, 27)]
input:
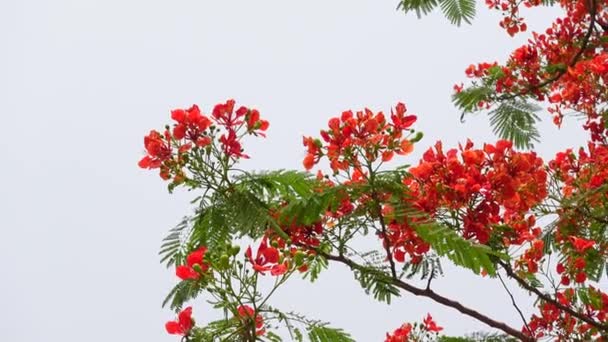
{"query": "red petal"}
[(174, 328), (185, 272), (145, 162), (178, 115)]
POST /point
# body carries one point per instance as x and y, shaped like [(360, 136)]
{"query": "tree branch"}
[(550, 300), (438, 298)]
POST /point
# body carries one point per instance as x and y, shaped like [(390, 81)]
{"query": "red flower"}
[(158, 149), (231, 145), (190, 123), (401, 334), (194, 265), (309, 161), (430, 325), (267, 259), (580, 277), (183, 325), (580, 244), (254, 122), (247, 313)]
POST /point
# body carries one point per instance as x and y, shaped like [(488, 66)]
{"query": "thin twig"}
[(550, 300), (515, 304)]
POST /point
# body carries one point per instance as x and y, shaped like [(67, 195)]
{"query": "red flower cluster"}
[(496, 185), (359, 137), (267, 259), (582, 179), (400, 334), (560, 65), (182, 325), (247, 314), (191, 124), (195, 265), (232, 121), (159, 153), (171, 151), (404, 240), (553, 322), (408, 332)]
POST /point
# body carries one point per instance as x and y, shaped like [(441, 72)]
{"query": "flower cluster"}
[(485, 187), (354, 140), (560, 65), (583, 178), (415, 332), (195, 135), (554, 322)]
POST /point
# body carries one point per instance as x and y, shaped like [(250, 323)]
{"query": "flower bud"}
[(224, 262), (234, 250), (298, 259), (417, 137)]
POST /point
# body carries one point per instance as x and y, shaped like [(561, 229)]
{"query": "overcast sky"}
[(82, 81)]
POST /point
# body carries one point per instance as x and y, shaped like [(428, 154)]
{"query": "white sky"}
[(82, 81)]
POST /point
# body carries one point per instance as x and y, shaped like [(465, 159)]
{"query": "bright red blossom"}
[(194, 265), (267, 259), (182, 325), (246, 314), (355, 139), (430, 325)]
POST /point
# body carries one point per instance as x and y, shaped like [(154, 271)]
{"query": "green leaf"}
[(421, 7), (377, 283), (446, 242), (172, 249), (457, 11), (315, 266), (181, 293), (516, 121), (468, 99), (320, 333)]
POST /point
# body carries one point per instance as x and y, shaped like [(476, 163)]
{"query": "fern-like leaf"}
[(516, 121), (377, 283), (420, 7), (446, 242), (468, 99), (181, 293), (457, 11), (321, 333)]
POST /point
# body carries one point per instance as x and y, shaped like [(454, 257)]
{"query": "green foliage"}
[(181, 293), (172, 249), (446, 242), (457, 11), (221, 330), (284, 183), (377, 283), (515, 121), (478, 337), (315, 266), (421, 7), (321, 333), (210, 228), (430, 266), (468, 99)]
